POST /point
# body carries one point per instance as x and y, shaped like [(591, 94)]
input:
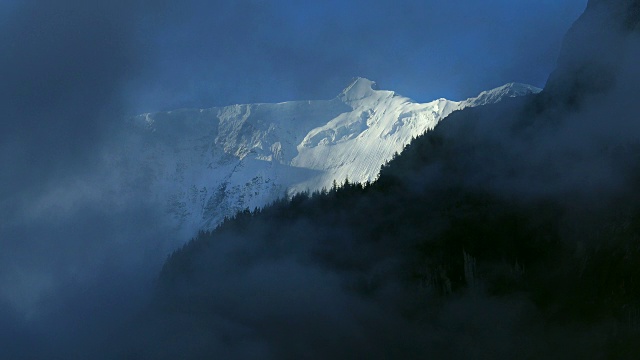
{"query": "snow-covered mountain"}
[(206, 164)]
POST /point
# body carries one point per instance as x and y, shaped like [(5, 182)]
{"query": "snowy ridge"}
[(206, 164)]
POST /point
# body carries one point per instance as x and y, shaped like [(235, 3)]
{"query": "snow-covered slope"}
[(206, 164)]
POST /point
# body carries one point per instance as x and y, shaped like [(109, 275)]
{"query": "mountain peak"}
[(512, 89), (359, 88), (517, 85)]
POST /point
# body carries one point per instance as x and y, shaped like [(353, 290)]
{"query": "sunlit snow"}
[(206, 164)]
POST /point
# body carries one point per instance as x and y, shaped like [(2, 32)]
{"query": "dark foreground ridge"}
[(510, 231)]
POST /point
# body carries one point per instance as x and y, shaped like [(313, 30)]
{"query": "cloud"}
[(62, 67), (81, 242), (70, 221)]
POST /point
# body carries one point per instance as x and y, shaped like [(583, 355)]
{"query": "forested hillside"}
[(510, 231)]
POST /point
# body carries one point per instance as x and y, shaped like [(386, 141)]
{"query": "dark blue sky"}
[(157, 54), (202, 53), (71, 70)]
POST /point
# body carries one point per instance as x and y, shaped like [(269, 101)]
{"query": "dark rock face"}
[(590, 58), (622, 14)]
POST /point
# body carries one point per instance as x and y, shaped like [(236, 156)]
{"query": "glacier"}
[(208, 164)]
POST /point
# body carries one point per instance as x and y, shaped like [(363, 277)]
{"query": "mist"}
[(540, 190), (82, 239)]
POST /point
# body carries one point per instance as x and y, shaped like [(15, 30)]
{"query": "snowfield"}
[(207, 164)]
